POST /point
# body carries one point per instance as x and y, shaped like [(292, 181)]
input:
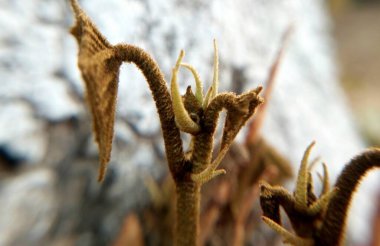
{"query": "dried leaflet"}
[(100, 73)]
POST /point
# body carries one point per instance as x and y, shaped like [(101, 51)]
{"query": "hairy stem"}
[(188, 203), (203, 142), (332, 230), (161, 96)]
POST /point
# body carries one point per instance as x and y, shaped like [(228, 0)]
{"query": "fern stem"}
[(187, 210), (332, 231), (161, 96)]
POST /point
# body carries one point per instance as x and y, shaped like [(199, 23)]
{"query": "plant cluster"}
[(315, 220)]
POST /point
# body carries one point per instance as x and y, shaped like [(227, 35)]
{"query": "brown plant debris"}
[(131, 232), (101, 81), (257, 123)]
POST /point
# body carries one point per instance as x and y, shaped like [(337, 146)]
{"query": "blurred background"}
[(327, 89), (357, 42)]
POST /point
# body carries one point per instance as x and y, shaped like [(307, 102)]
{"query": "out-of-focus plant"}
[(316, 220)]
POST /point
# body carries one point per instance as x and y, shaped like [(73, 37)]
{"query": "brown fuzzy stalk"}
[(334, 223)]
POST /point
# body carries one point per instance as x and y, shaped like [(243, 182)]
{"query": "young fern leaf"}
[(207, 99), (302, 180), (182, 117), (289, 238), (215, 78), (198, 82), (213, 90), (325, 180)]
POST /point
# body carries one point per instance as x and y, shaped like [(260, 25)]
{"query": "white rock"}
[(22, 134), (307, 102), (28, 205)]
